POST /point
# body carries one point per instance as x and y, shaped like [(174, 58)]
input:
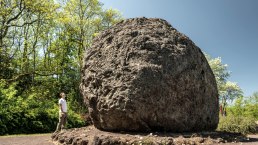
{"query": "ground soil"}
[(91, 135), (36, 139), (45, 139), (251, 140)]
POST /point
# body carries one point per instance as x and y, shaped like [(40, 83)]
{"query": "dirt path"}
[(37, 139)]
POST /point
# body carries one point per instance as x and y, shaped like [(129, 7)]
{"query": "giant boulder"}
[(144, 75)]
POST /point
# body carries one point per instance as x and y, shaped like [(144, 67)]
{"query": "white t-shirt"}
[(64, 105)]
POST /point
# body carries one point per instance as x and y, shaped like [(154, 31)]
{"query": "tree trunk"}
[(25, 60)]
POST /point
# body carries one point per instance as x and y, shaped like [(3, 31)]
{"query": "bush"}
[(74, 120), (237, 124), (31, 112)]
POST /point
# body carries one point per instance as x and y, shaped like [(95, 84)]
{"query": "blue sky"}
[(221, 28)]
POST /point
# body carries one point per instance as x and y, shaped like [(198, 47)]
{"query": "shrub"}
[(237, 124), (31, 112)]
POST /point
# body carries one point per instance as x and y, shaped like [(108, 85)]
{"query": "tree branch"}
[(15, 17), (28, 74), (26, 23)]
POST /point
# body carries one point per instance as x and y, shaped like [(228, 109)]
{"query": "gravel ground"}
[(92, 135), (45, 139)]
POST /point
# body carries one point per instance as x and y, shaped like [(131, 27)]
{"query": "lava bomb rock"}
[(144, 75)]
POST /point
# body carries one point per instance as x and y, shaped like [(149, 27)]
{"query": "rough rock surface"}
[(92, 136), (142, 74)]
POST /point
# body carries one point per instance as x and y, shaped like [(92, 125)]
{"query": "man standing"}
[(62, 112)]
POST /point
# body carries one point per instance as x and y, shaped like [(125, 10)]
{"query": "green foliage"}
[(32, 113), (242, 116), (245, 107), (41, 49), (219, 70), (237, 124), (228, 91)]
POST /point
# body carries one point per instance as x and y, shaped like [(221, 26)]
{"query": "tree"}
[(251, 106), (82, 19), (228, 91), (254, 98), (78, 23), (42, 43)]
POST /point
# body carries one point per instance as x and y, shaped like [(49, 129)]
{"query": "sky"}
[(221, 28)]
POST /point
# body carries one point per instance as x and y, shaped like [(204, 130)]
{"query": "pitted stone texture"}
[(142, 74)]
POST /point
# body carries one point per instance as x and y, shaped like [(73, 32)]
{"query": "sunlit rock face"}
[(144, 75)]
